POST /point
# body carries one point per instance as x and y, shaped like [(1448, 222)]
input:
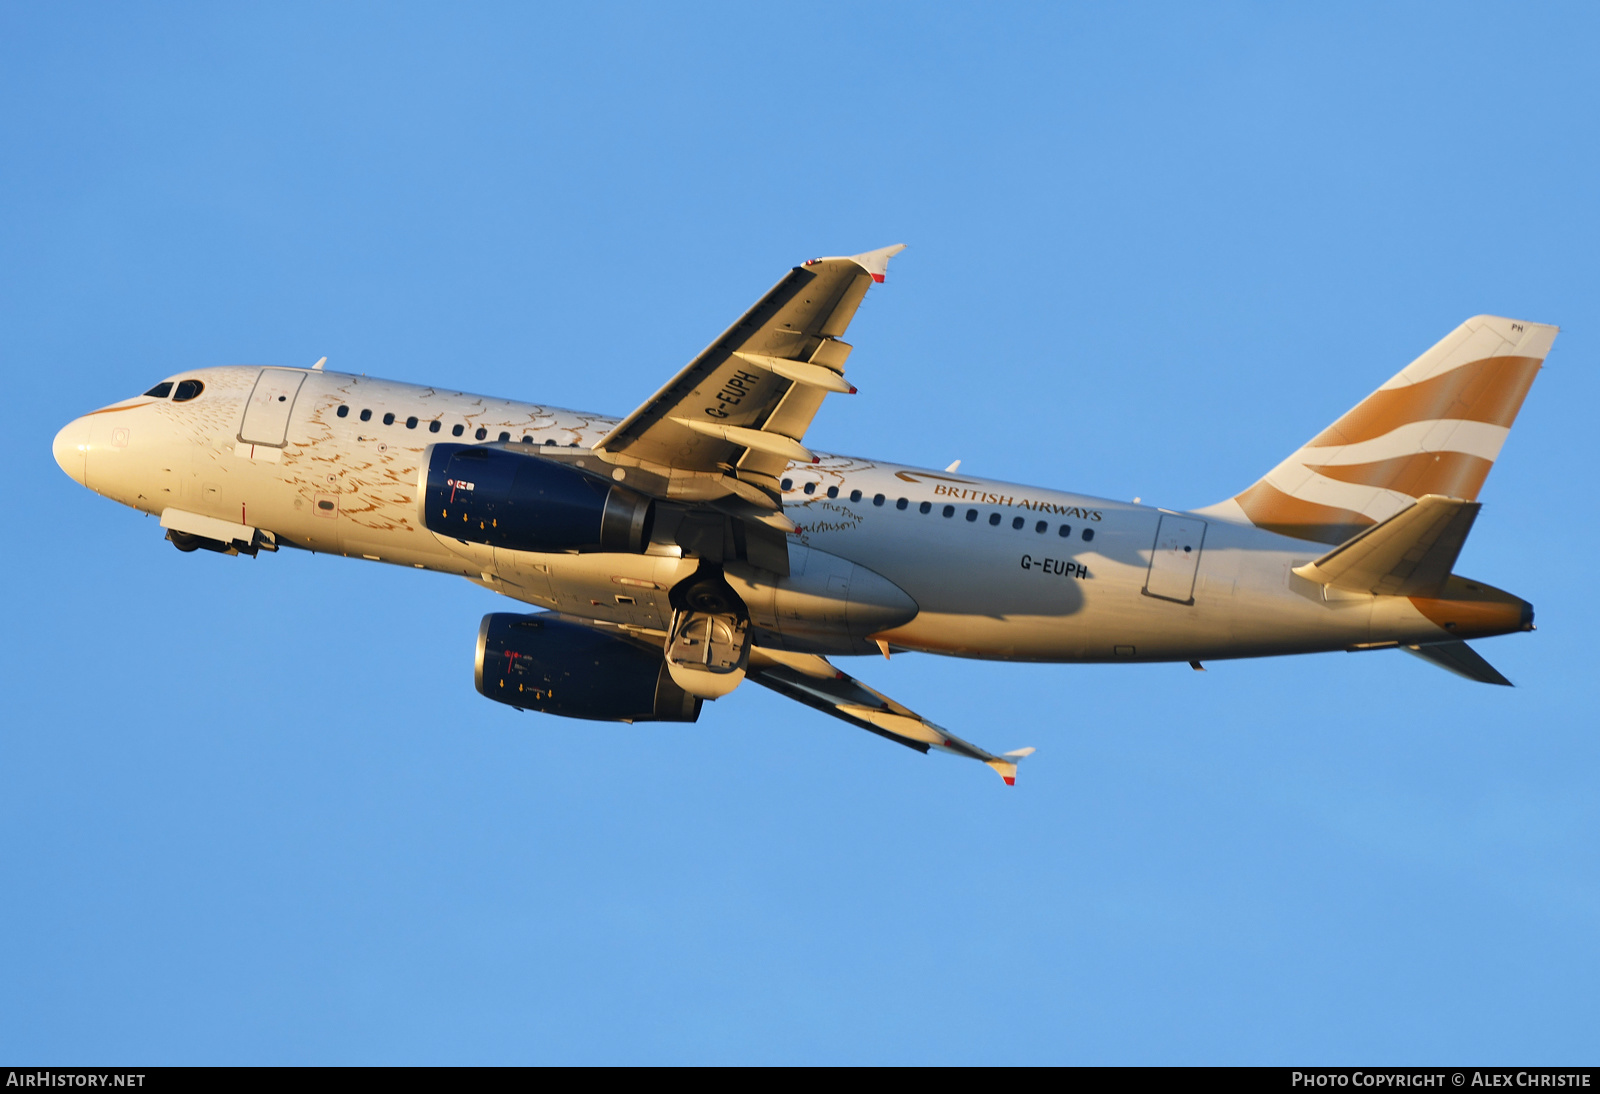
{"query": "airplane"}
[(697, 542)]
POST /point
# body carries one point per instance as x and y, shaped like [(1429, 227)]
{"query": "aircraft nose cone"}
[(71, 450)]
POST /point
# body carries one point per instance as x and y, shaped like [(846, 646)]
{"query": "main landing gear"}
[(708, 647)]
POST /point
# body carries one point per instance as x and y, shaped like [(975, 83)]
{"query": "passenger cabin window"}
[(786, 485), (411, 422), (527, 440), (388, 419), (481, 433), (435, 425), (1088, 534), (504, 437), (1041, 527), (972, 514), (994, 519), (343, 411), (877, 499), (833, 491), (1066, 530), (810, 488), (855, 495), (949, 510), (187, 389), (925, 508), (366, 415), (457, 429), (160, 391), (901, 504)]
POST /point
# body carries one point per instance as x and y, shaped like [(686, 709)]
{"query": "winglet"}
[(1006, 765), (876, 262)]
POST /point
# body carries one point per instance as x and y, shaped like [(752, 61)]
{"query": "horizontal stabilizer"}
[(1410, 554), (1461, 659)]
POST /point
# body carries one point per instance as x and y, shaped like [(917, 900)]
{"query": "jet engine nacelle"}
[(546, 663), (528, 503)]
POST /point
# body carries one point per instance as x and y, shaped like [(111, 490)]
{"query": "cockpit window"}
[(187, 389), (160, 391)]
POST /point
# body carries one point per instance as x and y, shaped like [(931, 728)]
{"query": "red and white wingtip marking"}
[(875, 263), (1006, 766)]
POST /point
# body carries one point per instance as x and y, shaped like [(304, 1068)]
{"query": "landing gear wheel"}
[(713, 597), (708, 593)]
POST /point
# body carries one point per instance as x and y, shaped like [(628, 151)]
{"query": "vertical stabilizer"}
[(1436, 428)]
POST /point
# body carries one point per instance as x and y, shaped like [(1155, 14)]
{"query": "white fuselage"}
[(1012, 572)]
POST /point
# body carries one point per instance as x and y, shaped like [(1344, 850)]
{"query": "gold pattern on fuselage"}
[(843, 556)]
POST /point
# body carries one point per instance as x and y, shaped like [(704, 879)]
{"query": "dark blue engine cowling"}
[(527, 503), (542, 662)]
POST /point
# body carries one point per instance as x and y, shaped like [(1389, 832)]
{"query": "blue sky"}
[(254, 811)]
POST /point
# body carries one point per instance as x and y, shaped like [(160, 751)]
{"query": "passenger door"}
[(1175, 558), (266, 415)]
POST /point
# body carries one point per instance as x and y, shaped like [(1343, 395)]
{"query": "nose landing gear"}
[(186, 542), (189, 541)]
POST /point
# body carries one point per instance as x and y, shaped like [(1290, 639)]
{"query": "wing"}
[(739, 410), (812, 680)]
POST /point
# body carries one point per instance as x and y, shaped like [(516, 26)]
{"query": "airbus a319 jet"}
[(697, 542)]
